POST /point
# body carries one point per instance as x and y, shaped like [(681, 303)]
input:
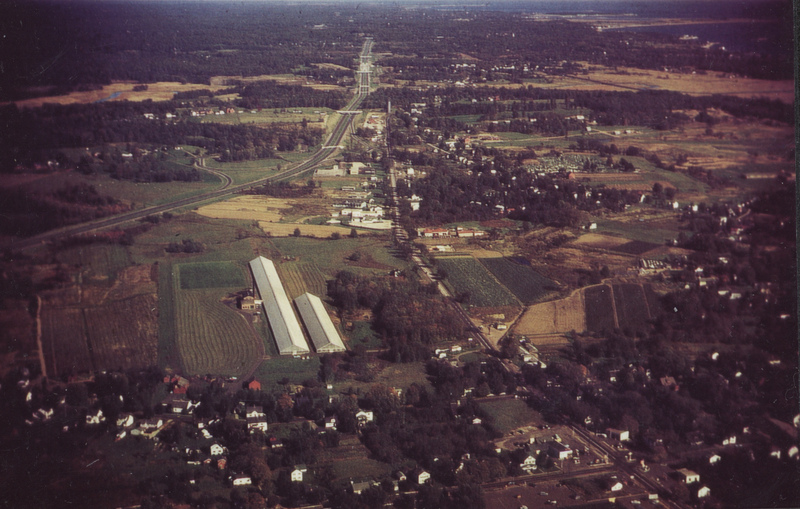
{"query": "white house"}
[(617, 486), (619, 434), (423, 477), (241, 480), (714, 459), (217, 450), (331, 422), (529, 463), (297, 473), (703, 492), (688, 476), (363, 417), (257, 424)]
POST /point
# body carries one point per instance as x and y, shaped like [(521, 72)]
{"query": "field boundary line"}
[(614, 305)]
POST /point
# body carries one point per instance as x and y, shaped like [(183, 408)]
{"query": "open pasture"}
[(553, 318), (525, 283), (211, 337), (309, 230), (201, 275), (599, 304), (465, 274)]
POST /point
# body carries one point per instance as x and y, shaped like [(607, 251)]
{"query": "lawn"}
[(509, 414), (200, 275), (466, 275), (526, 284)]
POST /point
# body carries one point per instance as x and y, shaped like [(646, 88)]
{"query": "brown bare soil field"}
[(553, 318), (255, 208), (124, 334), (601, 78)]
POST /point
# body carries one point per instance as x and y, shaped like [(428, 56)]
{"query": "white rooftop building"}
[(282, 320), (318, 323)]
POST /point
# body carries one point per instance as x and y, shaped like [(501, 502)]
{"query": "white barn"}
[(282, 320), (318, 323)]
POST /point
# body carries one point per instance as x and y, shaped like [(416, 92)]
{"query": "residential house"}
[(358, 487), (151, 424), (297, 473), (703, 492), (217, 450), (688, 476), (95, 417), (275, 443), (255, 385), (254, 411), (714, 459), (363, 417), (423, 477), (241, 480), (331, 422), (529, 463), (257, 424)]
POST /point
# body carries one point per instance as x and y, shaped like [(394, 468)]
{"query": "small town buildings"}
[(257, 424), (255, 385), (363, 417), (254, 411), (359, 487), (703, 492), (714, 459), (616, 486), (331, 422), (217, 450), (619, 434), (559, 450)]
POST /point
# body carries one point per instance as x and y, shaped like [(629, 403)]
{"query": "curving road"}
[(327, 149)]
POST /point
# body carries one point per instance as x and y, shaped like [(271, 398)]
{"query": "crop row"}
[(466, 275), (210, 275), (211, 337), (525, 283), (631, 304), (599, 308), (64, 341), (123, 334)]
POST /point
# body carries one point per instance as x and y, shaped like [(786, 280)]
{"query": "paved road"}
[(327, 149)]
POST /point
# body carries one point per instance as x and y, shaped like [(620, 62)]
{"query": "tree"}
[(296, 232), (353, 233)]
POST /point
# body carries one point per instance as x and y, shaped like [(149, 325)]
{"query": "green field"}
[(631, 305), (526, 284), (168, 355), (194, 276), (465, 274), (271, 371), (363, 335), (510, 414)]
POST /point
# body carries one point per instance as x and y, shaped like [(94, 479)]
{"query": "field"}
[(465, 274), (271, 371), (64, 341), (509, 414), (554, 317), (631, 306), (350, 460), (308, 230), (212, 338), (525, 283), (250, 208), (123, 334), (194, 276), (301, 277), (600, 314)]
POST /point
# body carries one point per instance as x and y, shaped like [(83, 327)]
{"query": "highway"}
[(327, 149)]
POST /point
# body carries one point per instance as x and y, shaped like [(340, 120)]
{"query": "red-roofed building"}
[(254, 385)]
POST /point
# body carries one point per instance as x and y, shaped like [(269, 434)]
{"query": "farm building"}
[(318, 323), (281, 317)]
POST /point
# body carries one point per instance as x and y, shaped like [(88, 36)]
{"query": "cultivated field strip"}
[(292, 279), (466, 274), (211, 337), (64, 341), (124, 334), (631, 306), (554, 317)]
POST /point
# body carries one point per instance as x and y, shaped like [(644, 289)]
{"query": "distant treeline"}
[(52, 47)]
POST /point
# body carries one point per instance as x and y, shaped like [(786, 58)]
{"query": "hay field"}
[(599, 241), (554, 317), (255, 208)]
